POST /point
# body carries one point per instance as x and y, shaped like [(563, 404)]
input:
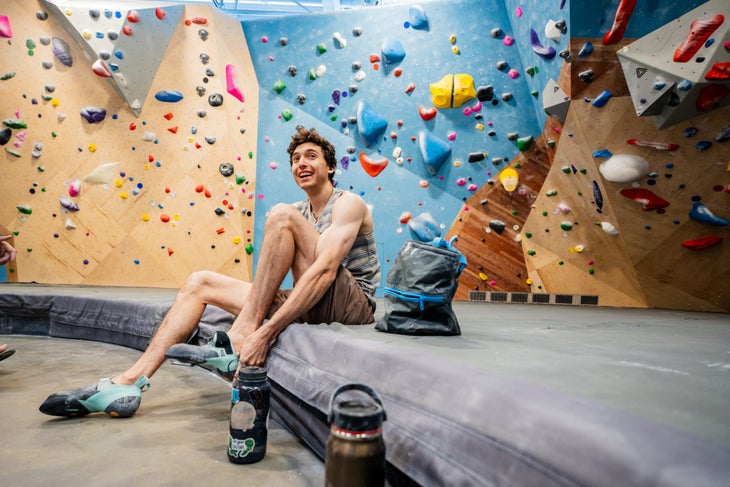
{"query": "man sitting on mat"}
[(326, 241), (7, 254)]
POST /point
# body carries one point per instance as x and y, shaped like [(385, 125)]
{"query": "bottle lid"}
[(246, 372), (357, 416)]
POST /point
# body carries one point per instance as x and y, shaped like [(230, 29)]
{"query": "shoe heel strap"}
[(143, 383)]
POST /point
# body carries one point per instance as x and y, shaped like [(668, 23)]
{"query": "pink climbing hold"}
[(518, 12), (5, 30), (513, 73), (508, 40), (451, 136), (74, 188), (232, 85)]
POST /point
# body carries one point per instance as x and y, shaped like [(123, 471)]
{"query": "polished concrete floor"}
[(177, 438)]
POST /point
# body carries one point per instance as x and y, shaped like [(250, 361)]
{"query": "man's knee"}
[(197, 281), (282, 214)]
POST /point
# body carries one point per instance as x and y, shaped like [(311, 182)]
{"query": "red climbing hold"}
[(719, 71), (170, 251), (699, 31), (702, 243), (427, 113), (168, 116), (127, 29), (199, 20), (710, 96), (133, 16), (371, 166), (648, 199), (173, 129), (653, 145), (160, 13), (620, 21)]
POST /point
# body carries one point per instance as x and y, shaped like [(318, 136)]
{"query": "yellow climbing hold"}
[(509, 179), (452, 91), (236, 240), (118, 183), (55, 102), (483, 276), (145, 217), (123, 195), (529, 282), (92, 147)]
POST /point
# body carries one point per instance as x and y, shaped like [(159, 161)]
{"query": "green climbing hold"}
[(517, 165), (312, 74), (531, 252), (591, 271), (30, 44), (565, 169), (528, 235), (41, 168), (551, 192), (560, 262), (524, 142), (535, 93), (532, 70), (287, 114), (46, 97), (12, 152), (566, 226), (279, 86), (15, 123), (583, 171), (240, 179), (551, 143), (321, 48), (333, 117), (514, 212), (250, 155), (7, 75), (25, 209), (249, 249), (544, 213)]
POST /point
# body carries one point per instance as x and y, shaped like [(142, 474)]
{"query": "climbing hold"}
[(424, 227), (321, 48), (702, 214), (476, 156), (417, 18), (647, 198), (169, 96), (100, 69), (538, 48), (66, 203), (232, 86), (609, 229), (566, 226), (373, 166), (24, 209), (405, 217), (703, 145), (340, 42), (710, 96), (62, 52), (93, 114), (164, 218), (15, 123), (7, 76), (723, 134), (427, 113), (509, 179), (160, 13), (74, 188), (5, 135), (497, 225), (702, 243), (452, 91), (523, 143), (586, 76), (102, 174), (226, 169), (602, 99), (699, 31), (597, 195), (287, 114), (392, 50), (215, 99), (586, 50), (434, 151), (624, 168), (279, 86), (5, 30), (653, 145), (620, 21), (370, 124)]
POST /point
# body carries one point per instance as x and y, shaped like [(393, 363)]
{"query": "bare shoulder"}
[(352, 207)]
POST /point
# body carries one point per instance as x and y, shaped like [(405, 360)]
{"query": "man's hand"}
[(7, 252), (255, 348)]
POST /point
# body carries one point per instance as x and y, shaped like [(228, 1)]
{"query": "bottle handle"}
[(350, 387)]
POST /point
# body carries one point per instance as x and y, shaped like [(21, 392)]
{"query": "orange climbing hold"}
[(170, 251), (168, 116), (372, 166), (165, 218), (699, 31), (173, 129)]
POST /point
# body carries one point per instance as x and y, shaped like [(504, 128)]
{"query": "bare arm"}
[(7, 252), (348, 216)]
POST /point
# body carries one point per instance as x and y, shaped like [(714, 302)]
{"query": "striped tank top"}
[(362, 260)]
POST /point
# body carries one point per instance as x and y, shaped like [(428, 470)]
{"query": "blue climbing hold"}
[(392, 50), (602, 154), (602, 99), (424, 227), (370, 124), (702, 214), (433, 150), (703, 145), (586, 50), (417, 17), (169, 96), (684, 85)]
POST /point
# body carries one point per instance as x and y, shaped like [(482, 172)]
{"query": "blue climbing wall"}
[(450, 45)]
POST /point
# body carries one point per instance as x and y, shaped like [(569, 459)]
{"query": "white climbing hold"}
[(609, 229), (102, 174), (624, 168)]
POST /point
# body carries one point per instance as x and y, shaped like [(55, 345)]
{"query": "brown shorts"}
[(344, 302)]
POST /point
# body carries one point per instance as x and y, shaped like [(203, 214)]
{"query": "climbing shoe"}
[(218, 353), (117, 400)]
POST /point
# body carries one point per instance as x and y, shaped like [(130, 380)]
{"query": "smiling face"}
[(309, 168)]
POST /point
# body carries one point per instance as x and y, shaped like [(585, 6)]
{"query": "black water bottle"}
[(355, 455), (249, 415)]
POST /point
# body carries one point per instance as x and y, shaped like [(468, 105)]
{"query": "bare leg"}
[(289, 244), (200, 289)]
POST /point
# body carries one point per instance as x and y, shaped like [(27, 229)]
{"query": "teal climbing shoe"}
[(117, 400), (218, 353)]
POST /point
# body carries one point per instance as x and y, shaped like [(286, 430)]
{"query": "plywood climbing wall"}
[(167, 209)]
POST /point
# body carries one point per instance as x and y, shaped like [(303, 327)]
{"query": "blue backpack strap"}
[(449, 244)]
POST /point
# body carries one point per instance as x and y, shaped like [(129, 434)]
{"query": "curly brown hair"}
[(304, 135)]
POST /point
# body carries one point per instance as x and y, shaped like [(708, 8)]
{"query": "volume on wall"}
[(517, 174)]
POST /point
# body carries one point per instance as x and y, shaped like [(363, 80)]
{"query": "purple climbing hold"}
[(345, 162), (93, 114), (336, 96), (169, 96), (538, 48), (62, 52), (392, 50), (597, 195)]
